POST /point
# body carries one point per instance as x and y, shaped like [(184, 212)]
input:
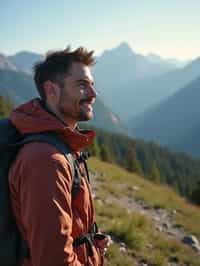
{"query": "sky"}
[(168, 28)]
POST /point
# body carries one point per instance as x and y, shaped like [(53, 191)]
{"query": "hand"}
[(102, 241)]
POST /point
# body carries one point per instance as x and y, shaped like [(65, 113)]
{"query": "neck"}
[(50, 109)]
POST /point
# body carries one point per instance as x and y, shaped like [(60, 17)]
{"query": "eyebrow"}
[(85, 80)]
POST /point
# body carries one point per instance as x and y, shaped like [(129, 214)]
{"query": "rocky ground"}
[(163, 220)]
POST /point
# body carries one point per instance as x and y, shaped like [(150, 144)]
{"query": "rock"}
[(143, 264), (190, 240), (149, 246), (174, 212), (161, 212), (122, 244), (122, 249), (146, 207), (196, 247), (135, 188), (165, 226), (156, 219), (170, 233), (159, 228)]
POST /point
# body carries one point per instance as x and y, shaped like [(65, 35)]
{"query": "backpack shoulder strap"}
[(62, 147)]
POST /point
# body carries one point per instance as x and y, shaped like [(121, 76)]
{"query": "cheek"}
[(77, 98), (77, 103), (71, 101)]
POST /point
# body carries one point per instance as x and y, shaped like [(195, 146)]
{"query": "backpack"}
[(13, 249)]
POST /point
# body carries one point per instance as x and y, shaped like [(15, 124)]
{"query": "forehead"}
[(79, 71)]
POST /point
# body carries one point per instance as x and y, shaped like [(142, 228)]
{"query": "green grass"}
[(143, 243), (115, 258)]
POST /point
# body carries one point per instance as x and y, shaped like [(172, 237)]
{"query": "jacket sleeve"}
[(45, 196)]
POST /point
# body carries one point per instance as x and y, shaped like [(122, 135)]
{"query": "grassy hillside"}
[(155, 163), (118, 194)]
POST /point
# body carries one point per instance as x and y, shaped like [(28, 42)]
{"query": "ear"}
[(51, 91)]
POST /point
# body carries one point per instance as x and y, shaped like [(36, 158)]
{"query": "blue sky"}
[(169, 28)]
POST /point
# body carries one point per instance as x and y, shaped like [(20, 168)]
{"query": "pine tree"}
[(154, 173), (132, 163), (195, 195), (94, 149), (105, 154)]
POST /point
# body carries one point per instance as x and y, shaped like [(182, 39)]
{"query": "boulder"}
[(190, 240)]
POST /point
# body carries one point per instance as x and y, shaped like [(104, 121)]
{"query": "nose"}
[(91, 92)]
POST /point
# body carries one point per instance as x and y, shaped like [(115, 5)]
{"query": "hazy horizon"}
[(169, 29), (107, 49)]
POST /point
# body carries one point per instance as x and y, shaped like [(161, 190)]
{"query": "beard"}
[(79, 110), (85, 110)]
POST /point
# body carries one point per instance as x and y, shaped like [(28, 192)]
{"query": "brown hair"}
[(56, 66)]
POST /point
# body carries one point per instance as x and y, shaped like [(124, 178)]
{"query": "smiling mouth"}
[(87, 104), (87, 101)]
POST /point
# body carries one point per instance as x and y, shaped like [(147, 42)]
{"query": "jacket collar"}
[(34, 117)]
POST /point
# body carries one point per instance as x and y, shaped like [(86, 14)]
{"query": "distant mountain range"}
[(5, 64), (131, 83), (154, 58), (24, 61), (175, 122), (118, 74)]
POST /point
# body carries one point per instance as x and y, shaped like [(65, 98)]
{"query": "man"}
[(40, 178)]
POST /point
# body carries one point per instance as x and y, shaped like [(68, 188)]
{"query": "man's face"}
[(77, 95)]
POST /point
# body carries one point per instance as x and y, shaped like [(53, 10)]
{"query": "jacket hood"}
[(31, 117)]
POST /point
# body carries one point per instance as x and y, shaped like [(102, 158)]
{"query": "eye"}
[(82, 86)]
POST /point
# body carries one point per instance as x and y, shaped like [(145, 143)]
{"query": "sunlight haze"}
[(170, 29)]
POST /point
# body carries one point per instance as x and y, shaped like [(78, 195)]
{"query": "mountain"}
[(140, 95), (24, 60), (173, 62), (5, 64), (131, 83), (20, 87), (174, 122), (125, 64), (117, 70), (104, 118), (189, 142)]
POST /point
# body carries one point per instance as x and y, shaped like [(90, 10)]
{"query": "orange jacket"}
[(40, 182)]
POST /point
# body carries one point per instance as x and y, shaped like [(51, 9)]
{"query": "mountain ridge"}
[(173, 120)]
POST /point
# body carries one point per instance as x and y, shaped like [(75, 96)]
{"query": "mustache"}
[(87, 100)]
